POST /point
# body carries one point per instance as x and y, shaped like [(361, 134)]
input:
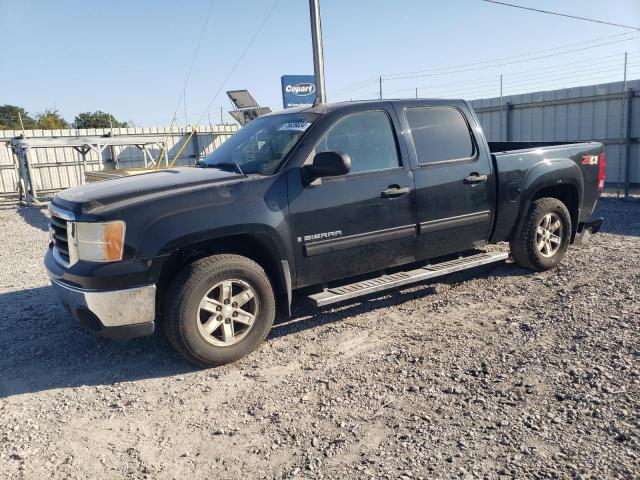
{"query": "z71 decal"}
[(590, 160)]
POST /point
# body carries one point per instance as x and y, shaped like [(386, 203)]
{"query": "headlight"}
[(96, 242)]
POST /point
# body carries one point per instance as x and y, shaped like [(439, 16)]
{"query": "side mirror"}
[(328, 164)]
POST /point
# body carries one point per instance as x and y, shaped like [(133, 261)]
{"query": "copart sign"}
[(298, 90)]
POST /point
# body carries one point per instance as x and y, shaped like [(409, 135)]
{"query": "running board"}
[(385, 282)]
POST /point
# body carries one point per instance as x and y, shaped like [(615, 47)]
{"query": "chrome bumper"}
[(112, 312)]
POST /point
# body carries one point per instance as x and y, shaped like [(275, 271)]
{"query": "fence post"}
[(501, 114), (100, 163), (114, 157), (196, 148), (83, 167), (622, 125), (22, 190), (16, 169), (507, 122), (627, 147), (29, 183)]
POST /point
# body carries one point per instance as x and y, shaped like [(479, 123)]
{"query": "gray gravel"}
[(497, 373)]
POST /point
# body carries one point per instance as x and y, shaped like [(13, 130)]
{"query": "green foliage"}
[(50, 119), (10, 118), (97, 119)]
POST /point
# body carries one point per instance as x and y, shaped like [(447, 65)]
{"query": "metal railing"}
[(36, 164)]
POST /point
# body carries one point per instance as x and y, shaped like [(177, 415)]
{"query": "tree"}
[(97, 119), (10, 118), (50, 119)]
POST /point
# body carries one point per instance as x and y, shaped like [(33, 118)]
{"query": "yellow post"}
[(182, 147), (166, 139)]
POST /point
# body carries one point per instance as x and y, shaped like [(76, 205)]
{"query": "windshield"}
[(260, 146)]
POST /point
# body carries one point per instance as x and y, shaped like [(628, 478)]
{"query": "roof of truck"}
[(324, 108)]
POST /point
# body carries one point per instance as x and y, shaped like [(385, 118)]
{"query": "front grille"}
[(59, 235)]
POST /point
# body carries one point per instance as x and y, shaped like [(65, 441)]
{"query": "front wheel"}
[(544, 236), (219, 309)]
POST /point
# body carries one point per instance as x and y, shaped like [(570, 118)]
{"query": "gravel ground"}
[(497, 373)]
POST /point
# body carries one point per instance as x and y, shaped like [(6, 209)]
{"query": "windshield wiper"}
[(223, 166)]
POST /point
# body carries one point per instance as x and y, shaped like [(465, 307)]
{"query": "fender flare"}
[(550, 173), (229, 239)]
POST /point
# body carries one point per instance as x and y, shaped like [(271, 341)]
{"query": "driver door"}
[(359, 222)]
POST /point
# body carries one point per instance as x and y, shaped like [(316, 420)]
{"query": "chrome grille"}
[(58, 228)]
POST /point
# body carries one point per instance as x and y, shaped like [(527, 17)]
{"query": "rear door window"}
[(439, 134)]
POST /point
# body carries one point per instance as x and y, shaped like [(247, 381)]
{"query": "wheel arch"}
[(257, 246), (560, 179), (567, 194)]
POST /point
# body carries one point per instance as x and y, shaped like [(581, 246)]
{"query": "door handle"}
[(475, 178), (395, 191)]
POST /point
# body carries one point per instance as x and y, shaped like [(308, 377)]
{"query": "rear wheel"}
[(544, 236), (219, 309)]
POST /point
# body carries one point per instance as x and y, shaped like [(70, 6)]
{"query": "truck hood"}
[(109, 194)]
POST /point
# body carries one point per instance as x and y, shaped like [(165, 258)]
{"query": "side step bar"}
[(385, 282)]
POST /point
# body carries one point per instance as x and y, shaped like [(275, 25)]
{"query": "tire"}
[(525, 246), (189, 316)]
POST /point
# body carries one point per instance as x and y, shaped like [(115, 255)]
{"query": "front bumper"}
[(125, 313)]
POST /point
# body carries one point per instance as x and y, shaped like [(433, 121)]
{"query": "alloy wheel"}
[(549, 235), (227, 312)]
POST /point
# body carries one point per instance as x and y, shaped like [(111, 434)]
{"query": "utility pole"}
[(318, 55), (380, 93), (221, 119), (500, 107), (622, 115), (416, 92)]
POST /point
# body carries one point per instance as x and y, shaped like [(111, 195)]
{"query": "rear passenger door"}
[(454, 180), (359, 222)]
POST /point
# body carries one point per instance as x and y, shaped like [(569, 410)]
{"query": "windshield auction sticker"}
[(299, 126)]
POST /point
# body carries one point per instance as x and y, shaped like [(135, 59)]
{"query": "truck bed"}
[(519, 165), (496, 147)]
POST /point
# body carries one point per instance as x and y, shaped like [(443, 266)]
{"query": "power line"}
[(342, 91), (193, 61), (579, 74), (574, 67), (536, 84), (588, 62), (507, 63), (519, 89), (535, 52), (601, 74), (195, 54), (560, 14), (235, 65), (183, 96), (589, 70), (358, 83), (541, 71)]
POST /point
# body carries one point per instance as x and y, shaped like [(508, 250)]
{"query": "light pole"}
[(318, 55)]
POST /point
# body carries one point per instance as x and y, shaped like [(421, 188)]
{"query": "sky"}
[(132, 58)]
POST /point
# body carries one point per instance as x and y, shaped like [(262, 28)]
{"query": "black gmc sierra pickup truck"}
[(340, 200)]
